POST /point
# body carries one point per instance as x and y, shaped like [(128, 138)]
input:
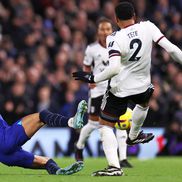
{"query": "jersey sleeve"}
[(112, 47), (155, 32), (172, 49), (88, 59)]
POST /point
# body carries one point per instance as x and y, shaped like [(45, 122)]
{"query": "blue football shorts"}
[(11, 153)]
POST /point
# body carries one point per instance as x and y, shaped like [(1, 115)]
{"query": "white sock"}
[(138, 118), (110, 145), (121, 136), (85, 133)]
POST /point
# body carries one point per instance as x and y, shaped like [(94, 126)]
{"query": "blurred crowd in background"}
[(43, 42)]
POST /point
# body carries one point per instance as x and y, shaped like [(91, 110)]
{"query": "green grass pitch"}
[(167, 169)]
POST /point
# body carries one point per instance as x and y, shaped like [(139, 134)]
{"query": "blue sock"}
[(53, 119), (51, 166)]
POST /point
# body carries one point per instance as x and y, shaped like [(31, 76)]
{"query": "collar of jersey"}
[(128, 25)]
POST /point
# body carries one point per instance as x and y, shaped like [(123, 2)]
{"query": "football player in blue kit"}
[(13, 137)]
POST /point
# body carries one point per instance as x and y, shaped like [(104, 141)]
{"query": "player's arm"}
[(110, 71), (172, 49), (160, 39)]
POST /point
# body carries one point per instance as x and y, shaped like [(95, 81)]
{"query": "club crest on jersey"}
[(111, 44), (105, 63)]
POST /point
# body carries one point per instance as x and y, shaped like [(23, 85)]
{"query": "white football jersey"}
[(134, 45), (97, 57)]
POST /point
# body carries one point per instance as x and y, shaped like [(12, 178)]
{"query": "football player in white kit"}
[(129, 70), (96, 60)]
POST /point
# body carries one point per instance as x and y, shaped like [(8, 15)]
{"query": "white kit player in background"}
[(129, 70), (96, 60)]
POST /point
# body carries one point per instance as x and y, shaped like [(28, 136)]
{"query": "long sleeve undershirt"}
[(172, 49)]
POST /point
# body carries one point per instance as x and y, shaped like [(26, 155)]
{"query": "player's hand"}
[(84, 76)]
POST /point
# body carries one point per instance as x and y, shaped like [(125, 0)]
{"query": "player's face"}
[(104, 29)]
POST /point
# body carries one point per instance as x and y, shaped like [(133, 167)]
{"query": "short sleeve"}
[(112, 47), (88, 59), (156, 33)]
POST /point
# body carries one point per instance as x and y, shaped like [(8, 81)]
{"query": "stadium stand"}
[(44, 41)]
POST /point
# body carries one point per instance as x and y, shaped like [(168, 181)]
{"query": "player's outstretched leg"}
[(51, 166), (33, 122), (135, 135), (52, 119), (22, 158)]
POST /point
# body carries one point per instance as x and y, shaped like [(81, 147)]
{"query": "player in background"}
[(13, 137), (129, 70), (95, 61)]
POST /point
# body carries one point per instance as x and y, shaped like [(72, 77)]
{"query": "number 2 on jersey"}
[(139, 45)]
